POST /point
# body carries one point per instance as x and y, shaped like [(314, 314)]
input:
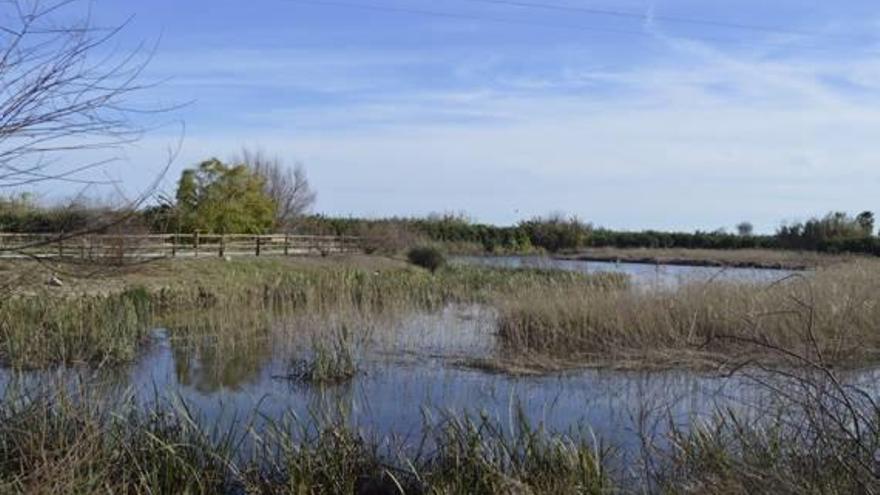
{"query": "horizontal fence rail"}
[(120, 247)]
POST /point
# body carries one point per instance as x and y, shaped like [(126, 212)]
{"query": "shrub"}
[(388, 237), (427, 257), (556, 232)]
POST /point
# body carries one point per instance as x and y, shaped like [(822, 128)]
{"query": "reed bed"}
[(39, 331), (332, 360), (819, 439), (730, 455), (818, 433), (64, 442), (99, 325), (832, 314)]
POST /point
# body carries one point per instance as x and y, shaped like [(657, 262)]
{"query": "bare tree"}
[(62, 89), (65, 95), (288, 187)]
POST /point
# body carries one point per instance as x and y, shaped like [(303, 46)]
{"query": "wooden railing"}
[(120, 247)]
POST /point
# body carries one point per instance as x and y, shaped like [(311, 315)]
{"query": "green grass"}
[(38, 331), (70, 443)]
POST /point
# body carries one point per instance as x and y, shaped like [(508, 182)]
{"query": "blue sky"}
[(502, 111)]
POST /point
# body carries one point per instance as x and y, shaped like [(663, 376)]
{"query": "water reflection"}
[(210, 366), (224, 376)]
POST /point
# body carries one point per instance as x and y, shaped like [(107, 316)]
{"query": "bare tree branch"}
[(288, 187), (62, 89)]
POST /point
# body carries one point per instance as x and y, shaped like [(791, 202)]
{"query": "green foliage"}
[(556, 233), (427, 257), (21, 213), (220, 199), (549, 234), (829, 233)]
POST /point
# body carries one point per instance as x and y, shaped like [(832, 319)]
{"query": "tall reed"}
[(836, 308), (107, 327), (63, 442)]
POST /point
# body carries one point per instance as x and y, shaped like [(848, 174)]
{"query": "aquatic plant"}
[(105, 321), (100, 329), (64, 442), (477, 456), (331, 360)]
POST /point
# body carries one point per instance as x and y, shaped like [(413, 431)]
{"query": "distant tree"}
[(865, 220), (556, 232), (745, 229), (288, 187), (835, 227), (217, 198)]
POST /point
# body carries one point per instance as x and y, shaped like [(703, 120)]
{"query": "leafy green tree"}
[(217, 198)]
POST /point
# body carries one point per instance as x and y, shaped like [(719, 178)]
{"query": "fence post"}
[(286, 244), (222, 245), (174, 246), (196, 244), (259, 239), (61, 246)]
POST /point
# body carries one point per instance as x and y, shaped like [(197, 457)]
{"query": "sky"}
[(631, 114)]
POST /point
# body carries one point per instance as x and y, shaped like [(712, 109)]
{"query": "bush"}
[(427, 257), (556, 232), (388, 237)]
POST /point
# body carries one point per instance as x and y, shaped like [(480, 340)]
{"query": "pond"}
[(415, 366), (412, 366), (642, 274)]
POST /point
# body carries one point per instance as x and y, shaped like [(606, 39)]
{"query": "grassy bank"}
[(830, 314), (104, 318)]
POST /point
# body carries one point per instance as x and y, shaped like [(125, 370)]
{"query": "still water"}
[(417, 364), (423, 371), (641, 274)]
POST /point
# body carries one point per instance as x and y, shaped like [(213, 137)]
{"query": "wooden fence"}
[(121, 247)]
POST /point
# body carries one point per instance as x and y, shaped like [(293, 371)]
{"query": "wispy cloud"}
[(689, 134)]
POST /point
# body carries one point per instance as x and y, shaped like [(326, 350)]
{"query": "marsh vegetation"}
[(371, 375)]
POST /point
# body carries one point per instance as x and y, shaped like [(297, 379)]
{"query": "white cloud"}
[(699, 140)]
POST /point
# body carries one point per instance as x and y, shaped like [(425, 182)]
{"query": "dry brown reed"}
[(704, 322)]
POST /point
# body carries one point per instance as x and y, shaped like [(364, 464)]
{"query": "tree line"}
[(836, 232), (256, 194)]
